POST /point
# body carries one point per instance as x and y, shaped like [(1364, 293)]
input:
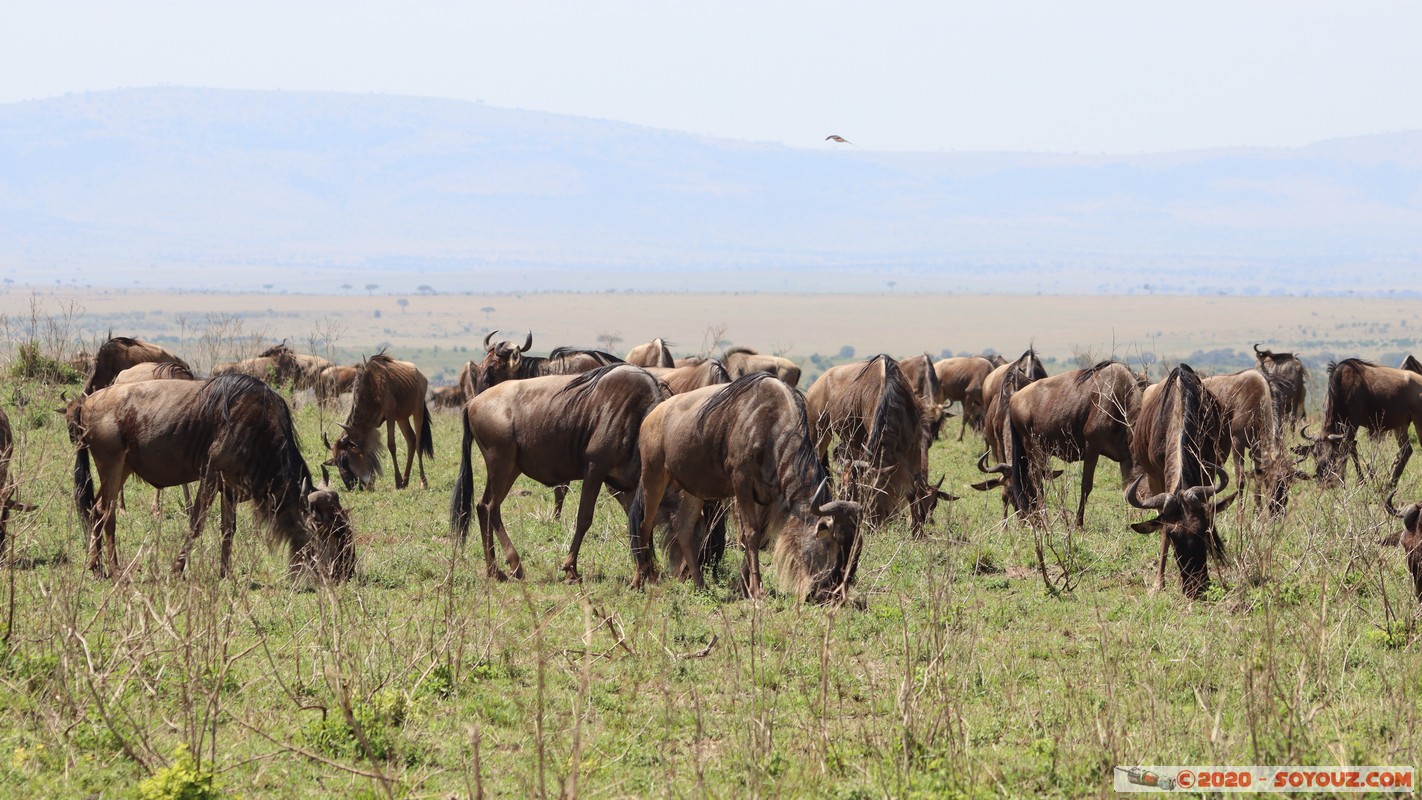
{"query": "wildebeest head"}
[(1330, 452), (500, 360), (1188, 518), (1410, 538), (357, 462), (827, 550), (329, 528)]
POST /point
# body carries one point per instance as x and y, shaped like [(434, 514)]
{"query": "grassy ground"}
[(955, 672)]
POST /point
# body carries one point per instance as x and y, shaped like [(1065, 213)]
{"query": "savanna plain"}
[(954, 670)]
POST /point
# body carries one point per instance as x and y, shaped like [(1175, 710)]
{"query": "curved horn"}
[(345, 427), (1199, 493), (1303, 432), (824, 484), (488, 347), (325, 440), (527, 343), (1387, 504), (1153, 504), (1257, 351), (1000, 469), (64, 396)]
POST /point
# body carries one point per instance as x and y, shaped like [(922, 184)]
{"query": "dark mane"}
[(1184, 382), (1082, 376), (732, 392), (232, 406), (896, 402), (1338, 395), (601, 356), (737, 350), (587, 382), (805, 460), (718, 370)]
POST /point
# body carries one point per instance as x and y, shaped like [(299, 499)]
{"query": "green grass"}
[(955, 674)]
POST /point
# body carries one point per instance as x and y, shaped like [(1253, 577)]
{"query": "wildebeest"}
[(883, 435), (1362, 394), (504, 361), (334, 381), (749, 440), (656, 353), (1177, 446), (8, 503), (231, 433), (961, 380), (554, 429), (1075, 416), (1250, 414), (1410, 538), (741, 361), (998, 388), (392, 393), (710, 372), (118, 354), (303, 370), (1290, 381), (276, 370), (154, 371), (447, 397)]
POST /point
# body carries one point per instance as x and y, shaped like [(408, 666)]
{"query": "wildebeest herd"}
[(683, 445)]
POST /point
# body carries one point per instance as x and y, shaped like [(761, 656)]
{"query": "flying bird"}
[(834, 137)]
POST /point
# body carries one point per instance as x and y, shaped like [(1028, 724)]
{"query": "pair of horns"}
[(1332, 437), (1195, 494), (527, 343)]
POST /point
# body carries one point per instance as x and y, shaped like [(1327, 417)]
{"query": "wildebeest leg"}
[(111, 481), (587, 503), (197, 517), (560, 493), (751, 530), (1088, 478), (394, 463), (157, 502), (491, 519), (1164, 554), (654, 485), (966, 413), (1404, 452), (228, 515), (411, 452), (687, 524)]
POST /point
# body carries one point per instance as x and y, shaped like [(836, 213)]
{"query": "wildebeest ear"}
[(1056, 473), (1149, 526), (325, 474), (991, 483), (330, 462), (1221, 505), (942, 495)]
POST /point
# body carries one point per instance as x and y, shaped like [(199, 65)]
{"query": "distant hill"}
[(216, 188)]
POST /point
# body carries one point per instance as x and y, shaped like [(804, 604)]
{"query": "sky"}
[(1115, 76)]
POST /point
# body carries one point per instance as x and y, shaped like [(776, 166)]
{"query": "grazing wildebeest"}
[(554, 429), (749, 440), (302, 371), (1410, 538), (391, 393), (681, 380), (234, 435), (277, 370), (1362, 394), (8, 503), (334, 381), (1075, 416), (883, 433), (1249, 411), (447, 397), (656, 353), (118, 354), (505, 361), (961, 380), (741, 361), (998, 388), (154, 371), (1290, 381), (1177, 446)]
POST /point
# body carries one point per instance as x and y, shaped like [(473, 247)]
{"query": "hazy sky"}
[(1101, 75)]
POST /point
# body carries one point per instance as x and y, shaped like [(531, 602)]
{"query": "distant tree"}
[(846, 352), (425, 289), (403, 303), (609, 340), (267, 286), (377, 313), (346, 287), (371, 287), (487, 311), (891, 284)]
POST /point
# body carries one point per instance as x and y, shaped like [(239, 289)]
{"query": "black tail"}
[(635, 515), (459, 505), (84, 489), (426, 443), (1021, 482)]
